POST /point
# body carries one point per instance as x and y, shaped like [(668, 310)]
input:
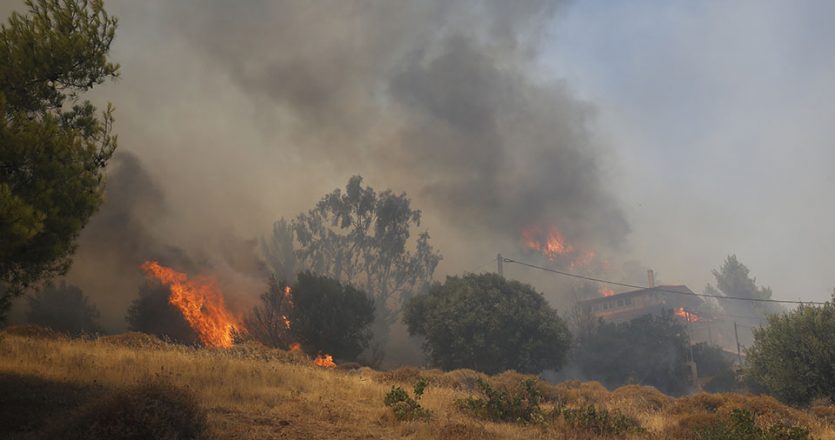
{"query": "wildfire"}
[(200, 302), (295, 346), (583, 259), (550, 243), (324, 361), (687, 315), (605, 291)]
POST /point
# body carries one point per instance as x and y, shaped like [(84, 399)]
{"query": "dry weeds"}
[(253, 392)]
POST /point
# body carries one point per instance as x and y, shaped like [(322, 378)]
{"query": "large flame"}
[(550, 243), (687, 315), (200, 302)]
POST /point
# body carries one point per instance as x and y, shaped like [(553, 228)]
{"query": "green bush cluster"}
[(405, 407), (599, 421), (741, 424), (520, 406)]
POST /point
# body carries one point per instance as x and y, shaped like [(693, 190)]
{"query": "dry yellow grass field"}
[(251, 392)]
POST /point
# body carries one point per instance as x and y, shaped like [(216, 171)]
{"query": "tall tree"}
[(487, 323), (733, 279), (359, 237), (53, 147), (318, 312)]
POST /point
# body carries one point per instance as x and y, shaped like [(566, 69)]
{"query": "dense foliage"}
[(487, 323), (649, 350), (359, 237), (793, 357), (63, 308), (151, 313), (320, 313), (53, 147)]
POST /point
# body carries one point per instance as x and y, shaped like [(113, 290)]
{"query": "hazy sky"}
[(719, 114), (671, 133)]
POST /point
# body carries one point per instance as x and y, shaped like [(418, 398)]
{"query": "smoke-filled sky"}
[(671, 133)]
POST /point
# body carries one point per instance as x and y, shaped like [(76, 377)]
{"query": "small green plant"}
[(741, 425), (405, 407), (521, 406)]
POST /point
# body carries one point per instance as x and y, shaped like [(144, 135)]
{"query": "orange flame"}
[(325, 361), (200, 302), (550, 244), (583, 259), (605, 291), (295, 346), (687, 315)]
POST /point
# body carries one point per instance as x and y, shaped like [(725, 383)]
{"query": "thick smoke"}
[(438, 98), (247, 112)]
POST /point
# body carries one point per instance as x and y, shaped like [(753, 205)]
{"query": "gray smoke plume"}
[(439, 98), (250, 111)]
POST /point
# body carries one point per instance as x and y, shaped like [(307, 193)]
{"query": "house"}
[(629, 305)]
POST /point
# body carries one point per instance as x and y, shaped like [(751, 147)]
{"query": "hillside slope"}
[(251, 392)]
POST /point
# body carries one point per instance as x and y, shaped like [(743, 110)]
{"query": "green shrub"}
[(405, 407), (520, 406), (792, 356), (741, 424), (599, 421)]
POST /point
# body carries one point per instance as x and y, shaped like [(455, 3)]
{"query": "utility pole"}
[(738, 351), (499, 262)]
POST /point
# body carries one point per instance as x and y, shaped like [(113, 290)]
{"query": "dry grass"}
[(252, 392)]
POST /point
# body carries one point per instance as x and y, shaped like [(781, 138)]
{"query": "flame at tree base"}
[(200, 303)]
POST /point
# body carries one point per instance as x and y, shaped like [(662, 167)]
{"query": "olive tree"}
[(487, 323), (793, 356)]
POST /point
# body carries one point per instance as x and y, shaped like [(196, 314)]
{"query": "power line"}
[(660, 289)]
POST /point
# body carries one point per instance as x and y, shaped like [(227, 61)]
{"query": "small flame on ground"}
[(200, 303), (325, 361), (605, 291), (295, 346), (687, 315)]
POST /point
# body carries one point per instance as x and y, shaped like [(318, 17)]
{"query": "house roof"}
[(664, 290)]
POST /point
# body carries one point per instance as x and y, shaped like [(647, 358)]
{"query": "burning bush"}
[(487, 323), (319, 313)]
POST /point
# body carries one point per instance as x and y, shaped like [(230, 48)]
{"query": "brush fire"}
[(202, 305), (551, 243)]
